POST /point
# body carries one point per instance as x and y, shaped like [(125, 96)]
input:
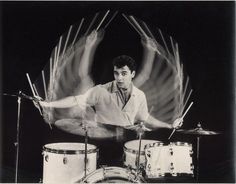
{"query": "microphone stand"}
[(19, 96), (17, 143)]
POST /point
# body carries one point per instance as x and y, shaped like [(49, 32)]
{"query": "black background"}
[(204, 31)]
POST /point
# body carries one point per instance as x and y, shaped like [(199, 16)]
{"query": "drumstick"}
[(172, 45), (139, 27), (36, 91), (181, 118), (78, 31), (67, 38), (92, 22), (30, 83), (164, 41), (59, 48), (44, 85), (132, 25), (187, 110), (102, 20), (31, 86), (110, 19), (40, 111)]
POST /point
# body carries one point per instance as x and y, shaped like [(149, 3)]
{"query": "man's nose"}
[(119, 77)]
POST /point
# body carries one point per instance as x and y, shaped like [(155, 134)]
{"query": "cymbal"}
[(198, 131), (137, 127), (94, 129)]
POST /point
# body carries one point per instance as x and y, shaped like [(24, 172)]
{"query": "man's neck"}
[(127, 90)]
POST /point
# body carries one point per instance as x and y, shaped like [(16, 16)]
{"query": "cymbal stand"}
[(199, 126), (198, 147), (140, 132)]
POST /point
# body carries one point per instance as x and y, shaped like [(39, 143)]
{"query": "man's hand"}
[(94, 38), (177, 123), (36, 102), (149, 43)]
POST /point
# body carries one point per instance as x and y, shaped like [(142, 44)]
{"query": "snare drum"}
[(131, 152), (174, 159), (64, 162), (112, 175)]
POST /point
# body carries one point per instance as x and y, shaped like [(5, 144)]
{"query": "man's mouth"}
[(120, 83)]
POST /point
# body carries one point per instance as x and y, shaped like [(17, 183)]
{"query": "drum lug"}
[(191, 167), (191, 152), (65, 160), (46, 158), (171, 166), (171, 151)]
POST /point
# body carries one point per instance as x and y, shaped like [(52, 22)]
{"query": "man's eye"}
[(124, 73)]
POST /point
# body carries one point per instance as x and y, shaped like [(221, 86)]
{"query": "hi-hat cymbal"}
[(94, 129), (198, 131)]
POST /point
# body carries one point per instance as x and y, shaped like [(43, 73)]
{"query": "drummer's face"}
[(123, 76)]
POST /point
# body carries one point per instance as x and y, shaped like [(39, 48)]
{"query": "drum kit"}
[(144, 160)]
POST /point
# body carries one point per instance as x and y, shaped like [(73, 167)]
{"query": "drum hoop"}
[(130, 150), (178, 143), (133, 151), (152, 145), (69, 152)]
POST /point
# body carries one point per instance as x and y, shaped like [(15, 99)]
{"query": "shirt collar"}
[(115, 89)]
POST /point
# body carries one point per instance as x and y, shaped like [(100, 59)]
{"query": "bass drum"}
[(64, 162), (112, 175)]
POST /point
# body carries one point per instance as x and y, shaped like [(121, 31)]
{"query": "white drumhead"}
[(134, 144), (65, 147)]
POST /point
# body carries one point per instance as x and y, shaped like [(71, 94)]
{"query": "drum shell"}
[(131, 152), (112, 175), (63, 165), (174, 159)]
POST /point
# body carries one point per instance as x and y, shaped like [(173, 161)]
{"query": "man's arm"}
[(149, 51), (67, 102), (153, 123), (88, 98)]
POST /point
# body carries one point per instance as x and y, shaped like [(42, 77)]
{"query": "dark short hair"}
[(123, 60)]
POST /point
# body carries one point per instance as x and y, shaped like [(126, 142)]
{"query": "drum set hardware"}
[(143, 160), (198, 131)]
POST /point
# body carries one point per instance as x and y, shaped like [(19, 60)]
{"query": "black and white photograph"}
[(117, 92)]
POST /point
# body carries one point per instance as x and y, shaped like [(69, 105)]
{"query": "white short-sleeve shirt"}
[(109, 108)]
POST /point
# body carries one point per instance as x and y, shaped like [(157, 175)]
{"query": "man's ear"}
[(133, 74)]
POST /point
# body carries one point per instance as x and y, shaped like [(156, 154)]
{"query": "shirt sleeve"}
[(90, 97)]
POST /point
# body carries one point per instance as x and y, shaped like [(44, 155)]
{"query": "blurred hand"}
[(94, 38), (149, 43), (37, 102), (177, 123)]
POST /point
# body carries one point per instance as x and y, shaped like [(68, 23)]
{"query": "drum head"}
[(133, 146), (68, 148)]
